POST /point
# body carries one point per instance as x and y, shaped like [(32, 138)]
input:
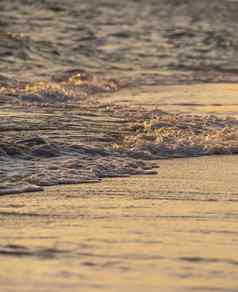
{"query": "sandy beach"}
[(175, 231)]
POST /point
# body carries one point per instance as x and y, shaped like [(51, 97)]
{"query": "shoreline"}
[(134, 229), (118, 142), (31, 189)]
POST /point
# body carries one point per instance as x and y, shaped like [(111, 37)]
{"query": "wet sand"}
[(175, 231)]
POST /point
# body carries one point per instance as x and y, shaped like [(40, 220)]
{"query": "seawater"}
[(60, 59)]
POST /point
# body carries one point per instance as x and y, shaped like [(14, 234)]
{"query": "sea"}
[(59, 59)]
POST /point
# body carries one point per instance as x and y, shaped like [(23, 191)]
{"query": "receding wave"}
[(60, 132)]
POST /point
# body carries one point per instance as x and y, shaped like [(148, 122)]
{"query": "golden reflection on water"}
[(209, 98), (173, 232)]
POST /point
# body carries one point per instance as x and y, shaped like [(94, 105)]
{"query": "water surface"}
[(95, 90)]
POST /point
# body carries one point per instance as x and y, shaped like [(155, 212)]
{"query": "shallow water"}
[(218, 99), (62, 63), (176, 231), (95, 90)]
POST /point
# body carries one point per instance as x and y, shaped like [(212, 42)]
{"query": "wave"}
[(60, 132), (183, 135)]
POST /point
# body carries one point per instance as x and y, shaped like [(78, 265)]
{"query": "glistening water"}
[(92, 90)]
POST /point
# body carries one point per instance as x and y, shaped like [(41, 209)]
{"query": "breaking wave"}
[(55, 127), (59, 132)]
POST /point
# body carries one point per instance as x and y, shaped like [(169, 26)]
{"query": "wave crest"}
[(182, 135)]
